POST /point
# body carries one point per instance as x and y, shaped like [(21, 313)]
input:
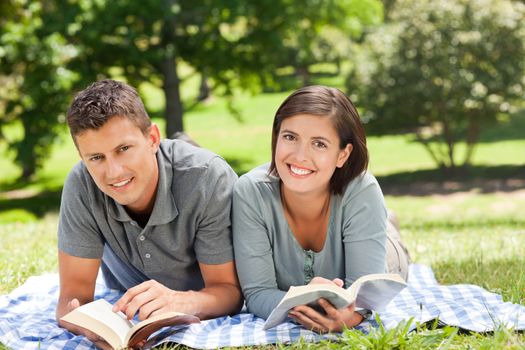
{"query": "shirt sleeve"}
[(364, 229), (78, 233), (253, 250), (213, 241)]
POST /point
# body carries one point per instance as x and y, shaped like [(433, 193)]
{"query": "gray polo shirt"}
[(190, 221), (268, 257)]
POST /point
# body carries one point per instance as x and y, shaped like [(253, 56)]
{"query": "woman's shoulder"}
[(258, 175), (365, 182), (257, 179)]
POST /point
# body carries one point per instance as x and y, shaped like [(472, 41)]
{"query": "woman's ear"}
[(344, 154)]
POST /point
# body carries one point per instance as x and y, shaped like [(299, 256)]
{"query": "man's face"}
[(122, 161)]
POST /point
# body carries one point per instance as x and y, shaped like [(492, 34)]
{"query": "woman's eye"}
[(124, 148), (320, 144), (288, 137)]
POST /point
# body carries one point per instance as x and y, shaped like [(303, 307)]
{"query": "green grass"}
[(469, 227)]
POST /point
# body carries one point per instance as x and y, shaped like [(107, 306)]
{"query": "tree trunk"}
[(429, 149), (449, 140), (204, 88), (302, 72), (473, 131), (171, 88), (26, 156)]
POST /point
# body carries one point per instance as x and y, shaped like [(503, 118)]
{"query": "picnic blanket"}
[(27, 316)]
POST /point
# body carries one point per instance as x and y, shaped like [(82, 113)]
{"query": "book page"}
[(376, 294), (304, 295), (99, 318), (372, 292)]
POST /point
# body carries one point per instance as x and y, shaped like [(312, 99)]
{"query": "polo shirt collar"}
[(164, 209)]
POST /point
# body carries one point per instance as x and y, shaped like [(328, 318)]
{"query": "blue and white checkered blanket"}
[(27, 316)]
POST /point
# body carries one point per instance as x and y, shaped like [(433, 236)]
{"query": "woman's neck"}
[(305, 206)]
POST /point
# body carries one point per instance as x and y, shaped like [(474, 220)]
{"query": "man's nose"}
[(113, 169)]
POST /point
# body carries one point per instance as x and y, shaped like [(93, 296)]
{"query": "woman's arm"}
[(253, 250), (364, 230)]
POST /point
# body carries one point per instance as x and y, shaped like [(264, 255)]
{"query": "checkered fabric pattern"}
[(27, 316)]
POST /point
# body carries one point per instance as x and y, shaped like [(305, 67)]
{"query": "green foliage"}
[(36, 84), (443, 69), (231, 45), (286, 33)]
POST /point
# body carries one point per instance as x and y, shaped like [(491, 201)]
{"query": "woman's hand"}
[(334, 320)]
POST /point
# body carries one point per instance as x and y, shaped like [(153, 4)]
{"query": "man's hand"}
[(151, 298), (333, 320), (97, 340)]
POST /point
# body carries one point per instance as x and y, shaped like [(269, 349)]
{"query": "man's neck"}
[(141, 218)]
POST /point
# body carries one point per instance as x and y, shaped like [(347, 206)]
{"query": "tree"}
[(231, 43), (299, 34), (36, 84), (444, 70)]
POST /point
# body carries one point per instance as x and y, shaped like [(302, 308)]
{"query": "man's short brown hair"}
[(98, 103)]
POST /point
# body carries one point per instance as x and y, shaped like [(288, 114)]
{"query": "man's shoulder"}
[(182, 156), (79, 178)]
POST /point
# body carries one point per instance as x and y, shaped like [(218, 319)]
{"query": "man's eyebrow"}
[(120, 145)]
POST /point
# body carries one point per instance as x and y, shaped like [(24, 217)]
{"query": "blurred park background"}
[(440, 86)]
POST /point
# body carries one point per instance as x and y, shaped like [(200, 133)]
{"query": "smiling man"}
[(152, 215)]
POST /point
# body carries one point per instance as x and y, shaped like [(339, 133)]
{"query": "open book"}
[(371, 292), (116, 329)]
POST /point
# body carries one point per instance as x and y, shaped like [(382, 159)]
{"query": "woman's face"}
[(307, 153)]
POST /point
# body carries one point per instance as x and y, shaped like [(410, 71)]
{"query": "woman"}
[(313, 215)]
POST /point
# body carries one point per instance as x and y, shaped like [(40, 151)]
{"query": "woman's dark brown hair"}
[(331, 103)]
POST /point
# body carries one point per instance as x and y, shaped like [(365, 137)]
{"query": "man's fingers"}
[(153, 307), (72, 304), (138, 302), (129, 295)]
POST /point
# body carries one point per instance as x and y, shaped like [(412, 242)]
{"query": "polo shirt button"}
[(142, 238), (148, 255)]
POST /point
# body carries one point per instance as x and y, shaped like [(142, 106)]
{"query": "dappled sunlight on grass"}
[(26, 249)]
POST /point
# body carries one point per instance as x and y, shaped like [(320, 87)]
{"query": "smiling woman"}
[(313, 215)]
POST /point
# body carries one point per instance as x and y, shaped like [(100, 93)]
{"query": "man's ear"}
[(344, 154), (154, 136)]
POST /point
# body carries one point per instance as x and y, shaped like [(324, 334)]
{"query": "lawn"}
[(469, 228)]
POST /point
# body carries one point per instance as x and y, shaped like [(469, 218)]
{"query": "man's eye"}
[(95, 158), (124, 148)]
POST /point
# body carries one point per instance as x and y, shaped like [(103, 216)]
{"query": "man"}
[(153, 215)]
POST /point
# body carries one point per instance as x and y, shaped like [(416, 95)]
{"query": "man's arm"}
[(77, 281), (220, 296), (77, 287), (222, 293)]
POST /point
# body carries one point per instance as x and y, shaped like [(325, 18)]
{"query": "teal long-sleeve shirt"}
[(268, 257)]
